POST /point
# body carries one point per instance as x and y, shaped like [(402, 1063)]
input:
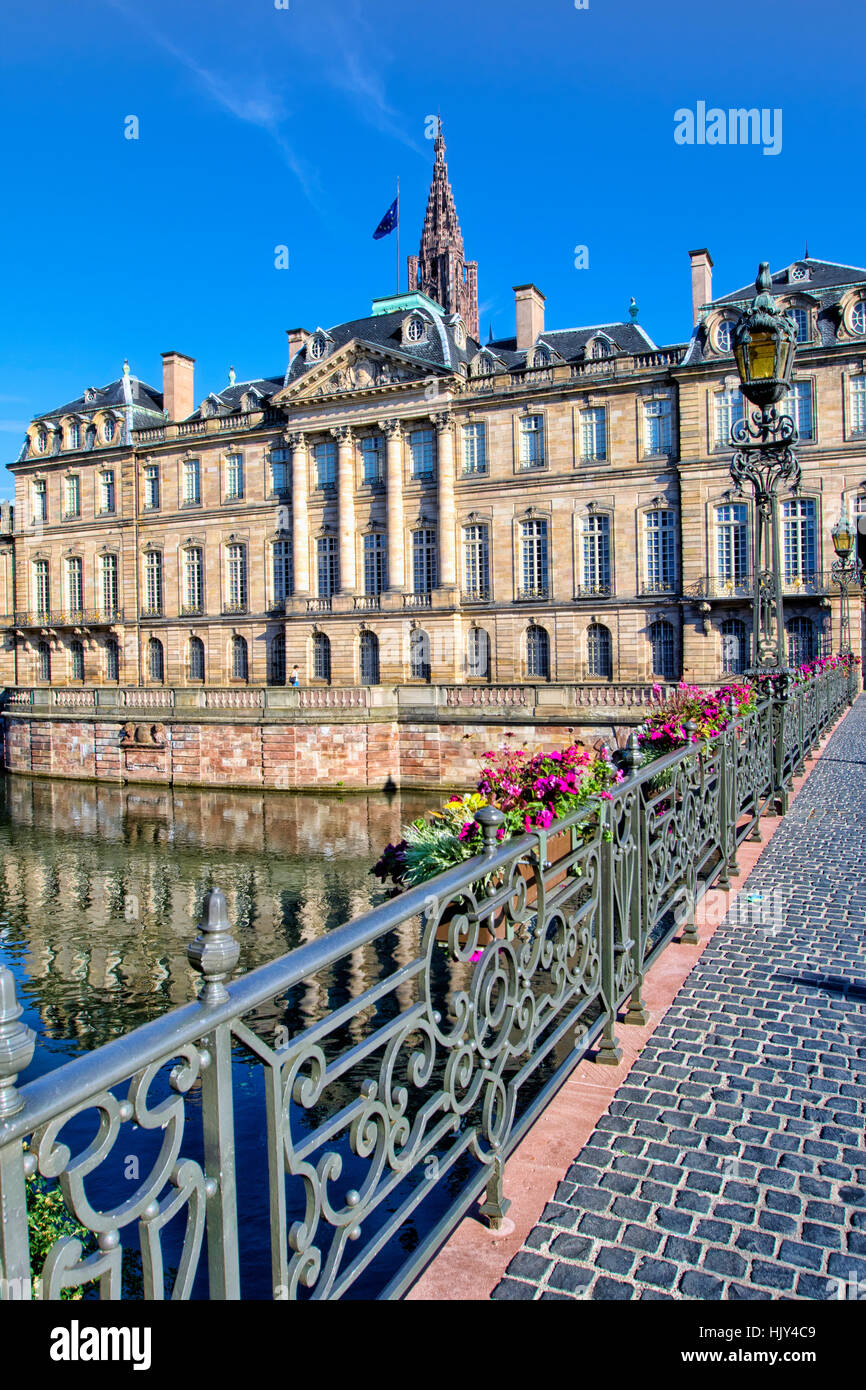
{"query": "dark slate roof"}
[(571, 343), (385, 331), (111, 396), (229, 400), (825, 275)]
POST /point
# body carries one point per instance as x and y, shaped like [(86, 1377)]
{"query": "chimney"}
[(297, 337), (529, 310), (177, 385), (702, 280)]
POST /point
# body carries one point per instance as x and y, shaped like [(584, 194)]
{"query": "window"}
[(538, 653), (236, 578), (193, 580), (151, 487), (112, 659), (802, 326), (75, 585), (375, 576), (240, 659), (858, 316), (327, 565), (732, 543), (43, 662), (532, 441), (108, 431), (191, 482), (541, 357), (663, 646), (325, 458), (476, 561), (474, 449), (108, 585), (423, 561), (661, 558), (599, 652), (280, 471), (799, 540), (734, 650), (729, 409), (533, 559), (277, 659), (155, 660), (316, 349), (41, 441), (40, 500), (41, 588), (196, 659), (73, 435), (234, 477), (421, 453), (801, 641), (371, 459), (478, 654), (657, 427), (106, 491), (725, 335), (153, 584), (483, 365), (76, 660), (600, 349), (321, 657), (416, 330), (368, 658), (798, 404), (281, 567), (419, 655), (72, 495), (595, 559), (593, 434), (858, 405)]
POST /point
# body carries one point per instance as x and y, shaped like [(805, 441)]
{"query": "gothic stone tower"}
[(440, 270)]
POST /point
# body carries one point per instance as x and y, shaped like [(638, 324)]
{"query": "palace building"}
[(404, 504)]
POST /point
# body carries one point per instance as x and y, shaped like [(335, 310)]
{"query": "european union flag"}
[(389, 221)]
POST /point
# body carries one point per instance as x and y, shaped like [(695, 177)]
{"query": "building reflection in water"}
[(101, 887)]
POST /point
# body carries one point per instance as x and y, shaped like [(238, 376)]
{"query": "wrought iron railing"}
[(400, 1105)]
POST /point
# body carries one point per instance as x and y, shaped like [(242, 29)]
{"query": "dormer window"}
[(316, 349), (858, 317), (460, 335), (800, 272), (416, 329), (89, 396), (108, 431), (724, 335), (483, 366), (73, 436), (600, 348), (800, 320), (41, 441), (541, 357)]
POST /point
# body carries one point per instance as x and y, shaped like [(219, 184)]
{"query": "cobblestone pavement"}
[(731, 1163)]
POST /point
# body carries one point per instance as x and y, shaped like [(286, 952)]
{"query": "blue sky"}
[(261, 127)]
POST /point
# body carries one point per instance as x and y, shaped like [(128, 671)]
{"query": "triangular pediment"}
[(359, 367)]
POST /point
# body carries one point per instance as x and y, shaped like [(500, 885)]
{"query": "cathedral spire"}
[(440, 269)]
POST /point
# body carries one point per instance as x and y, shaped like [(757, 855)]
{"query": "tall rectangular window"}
[(732, 543), (798, 404), (799, 538), (423, 561), (151, 487), (371, 459), (375, 575), (532, 441), (595, 560), (191, 482), (41, 588), (234, 477), (75, 584), (193, 580), (657, 427), (858, 405), (327, 566), (474, 449), (281, 471), (593, 434), (421, 453), (325, 456), (40, 500), (476, 561), (533, 559), (106, 490), (661, 551), (72, 495), (728, 410), (281, 557), (153, 583), (108, 584), (236, 578)]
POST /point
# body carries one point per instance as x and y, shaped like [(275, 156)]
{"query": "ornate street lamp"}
[(847, 571), (764, 342)]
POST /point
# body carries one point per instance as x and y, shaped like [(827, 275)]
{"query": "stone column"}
[(445, 476), (346, 505), (393, 431), (300, 516)]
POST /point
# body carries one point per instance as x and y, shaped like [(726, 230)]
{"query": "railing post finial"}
[(214, 952), (491, 820), (631, 754), (17, 1042)]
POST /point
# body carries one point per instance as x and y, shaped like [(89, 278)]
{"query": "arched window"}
[(734, 649), (43, 662), (419, 655), (600, 348), (321, 657), (599, 652), (240, 659), (478, 654), (76, 660), (663, 643), (483, 365), (277, 660), (801, 641), (538, 652), (155, 660), (368, 658), (196, 659), (112, 659)]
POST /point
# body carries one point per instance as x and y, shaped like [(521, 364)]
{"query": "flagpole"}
[(398, 233)]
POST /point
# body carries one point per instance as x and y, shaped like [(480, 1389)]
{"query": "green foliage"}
[(47, 1221)]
